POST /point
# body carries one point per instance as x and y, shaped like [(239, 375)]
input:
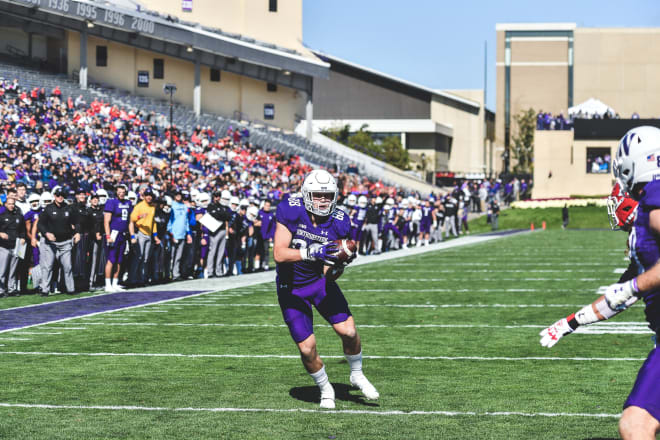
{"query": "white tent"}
[(589, 108)]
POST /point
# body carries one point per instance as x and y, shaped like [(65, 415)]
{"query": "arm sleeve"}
[(43, 223), (22, 230), (287, 215)]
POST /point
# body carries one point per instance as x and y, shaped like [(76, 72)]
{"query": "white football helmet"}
[(203, 199), (194, 195), (103, 196), (389, 204), (132, 197), (379, 200), (46, 199), (363, 201), (34, 201), (316, 183), (636, 158), (244, 203), (233, 203), (225, 197), (404, 204), (252, 213), (351, 200)]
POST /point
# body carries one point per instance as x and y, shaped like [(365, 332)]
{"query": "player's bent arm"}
[(282, 253), (597, 311), (333, 272), (107, 216)]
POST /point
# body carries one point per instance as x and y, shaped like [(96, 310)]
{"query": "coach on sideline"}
[(143, 217), (12, 227), (57, 224)]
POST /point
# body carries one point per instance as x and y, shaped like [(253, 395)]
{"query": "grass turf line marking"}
[(446, 263), (376, 280), (15, 339), (37, 333), (286, 356), (620, 270), (323, 411), (604, 328), (67, 328), (423, 306)]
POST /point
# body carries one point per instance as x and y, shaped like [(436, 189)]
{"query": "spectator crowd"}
[(90, 200)]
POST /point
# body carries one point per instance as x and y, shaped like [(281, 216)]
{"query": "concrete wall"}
[(556, 152), (18, 39), (620, 67), (345, 97), (467, 151), (247, 17), (232, 93)]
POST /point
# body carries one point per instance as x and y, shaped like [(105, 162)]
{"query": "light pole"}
[(171, 90)]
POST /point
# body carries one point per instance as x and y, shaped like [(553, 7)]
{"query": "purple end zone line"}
[(13, 319)]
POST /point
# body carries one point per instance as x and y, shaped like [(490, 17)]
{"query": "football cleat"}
[(328, 397), (361, 382)]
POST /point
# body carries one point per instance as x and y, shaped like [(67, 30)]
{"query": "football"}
[(347, 249)]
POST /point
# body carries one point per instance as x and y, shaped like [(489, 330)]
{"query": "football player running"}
[(304, 252), (636, 168)]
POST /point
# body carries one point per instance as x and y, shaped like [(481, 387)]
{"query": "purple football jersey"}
[(427, 213), (121, 212), (291, 213), (645, 249)]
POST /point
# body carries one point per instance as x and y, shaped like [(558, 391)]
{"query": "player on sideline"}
[(636, 170), (306, 227)]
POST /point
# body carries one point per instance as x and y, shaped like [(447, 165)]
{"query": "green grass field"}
[(450, 339)]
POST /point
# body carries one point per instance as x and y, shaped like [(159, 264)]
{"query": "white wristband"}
[(304, 255)]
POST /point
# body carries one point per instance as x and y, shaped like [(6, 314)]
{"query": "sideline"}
[(324, 411)]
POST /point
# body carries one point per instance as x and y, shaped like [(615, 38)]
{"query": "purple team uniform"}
[(33, 216), (206, 235), (301, 284), (267, 224), (358, 220), (427, 219), (121, 211), (645, 253)]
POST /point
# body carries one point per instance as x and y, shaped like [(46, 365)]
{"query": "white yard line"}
[(66, 328), (423, 306), (502, 262), (37, 333), (310, 410), (444, 279), (297, 357)]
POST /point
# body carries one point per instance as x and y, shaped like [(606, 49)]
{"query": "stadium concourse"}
[(57, 145)]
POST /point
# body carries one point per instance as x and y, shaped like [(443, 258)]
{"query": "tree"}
[(395, 154), (522, 149), (388, 149)]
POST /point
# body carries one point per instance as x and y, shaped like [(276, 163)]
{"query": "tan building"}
[(448, 133), (236, 58), (550, 67)]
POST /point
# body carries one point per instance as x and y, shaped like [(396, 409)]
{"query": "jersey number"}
[(124, 214)]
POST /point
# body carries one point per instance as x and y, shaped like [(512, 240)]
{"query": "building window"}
[(599, 159), (271, 87), (215, 75), (101, 56), (159, 68), (272, 5)]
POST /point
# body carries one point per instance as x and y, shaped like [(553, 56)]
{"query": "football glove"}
[(618, 294), (551, 335), (320, 252)]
